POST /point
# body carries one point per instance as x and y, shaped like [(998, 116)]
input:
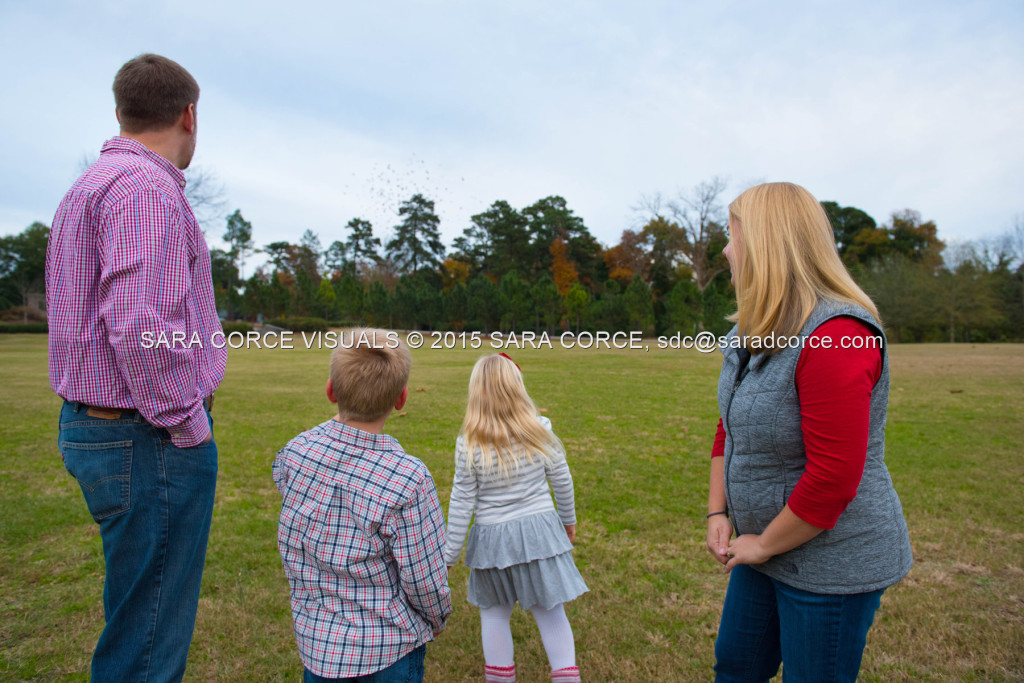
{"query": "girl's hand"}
[(719, 532), (746, 549), (570, 531)]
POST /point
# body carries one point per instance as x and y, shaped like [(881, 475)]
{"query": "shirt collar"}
[(130, 146), (367, 440)]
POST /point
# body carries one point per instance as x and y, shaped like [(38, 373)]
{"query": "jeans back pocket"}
[(103, 471)]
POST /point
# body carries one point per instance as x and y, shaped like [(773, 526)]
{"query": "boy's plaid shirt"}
[(361, 537)]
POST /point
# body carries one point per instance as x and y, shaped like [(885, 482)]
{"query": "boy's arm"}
[(419, 552), (279, 470), (460, 506)]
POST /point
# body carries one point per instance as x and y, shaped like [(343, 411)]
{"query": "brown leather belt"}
[(115, 413), (106, 413)]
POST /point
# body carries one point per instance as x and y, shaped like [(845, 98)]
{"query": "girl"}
[(520, 549)]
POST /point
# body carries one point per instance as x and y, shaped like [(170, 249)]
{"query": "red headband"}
[(513, 362)]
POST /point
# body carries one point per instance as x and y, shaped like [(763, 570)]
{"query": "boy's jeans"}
[(153, 502), (408, 669)]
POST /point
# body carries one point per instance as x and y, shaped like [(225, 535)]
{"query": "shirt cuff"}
[(193, 430)]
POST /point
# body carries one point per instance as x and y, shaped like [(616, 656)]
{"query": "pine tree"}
[(417, 242), (576, 301), (639, 305), (239, 236), (362, 247)]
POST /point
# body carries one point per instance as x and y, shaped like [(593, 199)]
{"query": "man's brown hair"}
[(151, 91), (369, 371)]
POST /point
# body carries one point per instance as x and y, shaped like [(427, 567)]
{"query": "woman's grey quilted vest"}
[(869, 548)]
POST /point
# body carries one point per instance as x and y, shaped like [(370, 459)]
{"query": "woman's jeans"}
[(153, 502), (817, 638), (408, 669)]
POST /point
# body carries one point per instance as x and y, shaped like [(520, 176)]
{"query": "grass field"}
[(638, 429)]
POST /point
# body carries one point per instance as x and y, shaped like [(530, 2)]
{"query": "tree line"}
[(539, 268), (532, 268)]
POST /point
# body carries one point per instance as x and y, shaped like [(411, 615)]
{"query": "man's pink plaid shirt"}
[(126, 257)]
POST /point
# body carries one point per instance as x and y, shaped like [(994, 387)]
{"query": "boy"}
[(361, 533)]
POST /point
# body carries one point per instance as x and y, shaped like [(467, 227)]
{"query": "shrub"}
[(22, 328), (300, 324), (236, 326)]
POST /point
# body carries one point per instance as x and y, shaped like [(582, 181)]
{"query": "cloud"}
[(329, 111)]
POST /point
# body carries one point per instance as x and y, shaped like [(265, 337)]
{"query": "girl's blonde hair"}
[(787, 261), (501, 420)]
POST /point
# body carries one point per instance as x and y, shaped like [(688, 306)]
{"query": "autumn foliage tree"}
[(916, 239), (453, 273), (628, 258), (563, 272)]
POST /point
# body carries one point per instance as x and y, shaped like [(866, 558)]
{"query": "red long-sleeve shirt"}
[(834, 388)]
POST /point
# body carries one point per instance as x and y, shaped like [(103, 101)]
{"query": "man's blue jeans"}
[(153, 502), (817, 638), (408, 669)]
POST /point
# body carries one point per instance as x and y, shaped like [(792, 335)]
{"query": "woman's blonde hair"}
[(501, 420), (787, 261)]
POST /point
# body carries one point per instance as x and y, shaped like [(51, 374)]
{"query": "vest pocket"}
[(103, 471), (755, 504)]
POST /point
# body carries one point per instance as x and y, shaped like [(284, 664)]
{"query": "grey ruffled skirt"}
[(526, 560)]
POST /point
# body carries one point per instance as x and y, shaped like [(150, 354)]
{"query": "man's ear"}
[(117, 115), (330, 392), (188, 119), (400, 403)]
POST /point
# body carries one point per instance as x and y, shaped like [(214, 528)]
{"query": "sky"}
[(314, 113)]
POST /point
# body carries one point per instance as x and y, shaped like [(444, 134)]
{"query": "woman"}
[(797, 468)]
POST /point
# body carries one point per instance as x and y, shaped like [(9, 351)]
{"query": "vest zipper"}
[(741, 366)]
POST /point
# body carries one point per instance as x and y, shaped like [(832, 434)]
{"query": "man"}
[(132, 316)]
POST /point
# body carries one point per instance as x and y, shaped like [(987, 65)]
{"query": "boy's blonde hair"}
[(501, 420), (369, 371), (787, 261)]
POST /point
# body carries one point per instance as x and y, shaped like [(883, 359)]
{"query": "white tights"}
[(555, 633)]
